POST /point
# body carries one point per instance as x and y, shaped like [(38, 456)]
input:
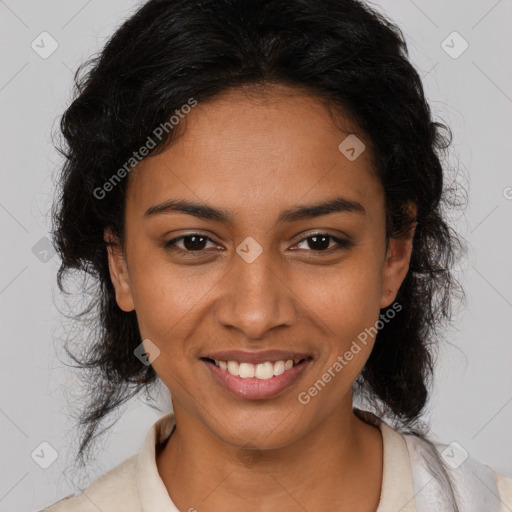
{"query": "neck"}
[(337, 465)]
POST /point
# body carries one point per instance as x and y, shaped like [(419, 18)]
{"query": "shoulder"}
[(475, 486), (114, 491), (128, 485)]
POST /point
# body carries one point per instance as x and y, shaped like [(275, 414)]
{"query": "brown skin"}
[(256, 155)]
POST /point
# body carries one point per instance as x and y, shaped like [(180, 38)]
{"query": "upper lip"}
[(255, 357)]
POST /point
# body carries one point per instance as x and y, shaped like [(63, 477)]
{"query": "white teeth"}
[(278, 367), (263, 371), (246, 370), (233, 367)]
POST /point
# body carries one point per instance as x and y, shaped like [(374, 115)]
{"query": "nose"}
[(255, 298)]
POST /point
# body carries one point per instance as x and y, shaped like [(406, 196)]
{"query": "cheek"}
[(170, 302), (165, 294), (167, 308), (346, 306), (345, 299)]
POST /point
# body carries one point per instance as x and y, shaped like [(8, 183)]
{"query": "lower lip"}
[(254, 388)]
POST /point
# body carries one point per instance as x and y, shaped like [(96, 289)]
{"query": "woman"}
[(257, 190)]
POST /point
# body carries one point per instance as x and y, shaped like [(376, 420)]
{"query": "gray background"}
[(472, 93)]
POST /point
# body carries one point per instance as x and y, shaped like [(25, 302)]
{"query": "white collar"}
[(397, 488)]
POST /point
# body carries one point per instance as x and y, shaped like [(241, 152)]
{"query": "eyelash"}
[(342, 243)]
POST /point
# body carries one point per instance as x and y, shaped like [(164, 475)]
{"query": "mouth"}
[(256, 381), (263, 371)]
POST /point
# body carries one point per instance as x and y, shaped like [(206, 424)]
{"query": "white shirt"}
[(408, 484)]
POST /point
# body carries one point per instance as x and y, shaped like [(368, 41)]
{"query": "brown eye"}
[(320, 242), (194, 243), (191, 243)]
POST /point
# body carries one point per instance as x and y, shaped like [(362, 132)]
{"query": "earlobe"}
[(395, 269), (396, 265), (119, 273)]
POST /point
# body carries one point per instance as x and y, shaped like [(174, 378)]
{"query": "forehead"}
[(259, 152)]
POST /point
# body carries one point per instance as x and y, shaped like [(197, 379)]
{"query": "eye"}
[(317, 242), (193, 242), (321, 242)]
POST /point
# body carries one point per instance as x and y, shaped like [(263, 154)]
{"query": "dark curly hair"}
[(343, 52)]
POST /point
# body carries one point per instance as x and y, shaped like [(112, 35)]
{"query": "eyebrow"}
[(335, 205)]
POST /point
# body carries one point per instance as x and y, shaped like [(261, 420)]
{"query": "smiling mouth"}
[(264, 371)]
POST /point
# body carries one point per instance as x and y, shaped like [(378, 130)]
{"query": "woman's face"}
[(258, 276)]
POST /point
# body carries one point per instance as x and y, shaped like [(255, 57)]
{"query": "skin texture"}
[(254, 155)]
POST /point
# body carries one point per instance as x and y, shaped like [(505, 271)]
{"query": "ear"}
[(397, 261), (119, 272)]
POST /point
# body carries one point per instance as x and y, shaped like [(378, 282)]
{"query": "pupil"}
[(194, 243), (319, 242)]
